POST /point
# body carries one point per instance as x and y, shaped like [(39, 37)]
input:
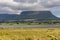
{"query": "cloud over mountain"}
[(16, 6)]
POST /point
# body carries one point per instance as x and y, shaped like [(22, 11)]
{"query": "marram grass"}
[(29, 33)]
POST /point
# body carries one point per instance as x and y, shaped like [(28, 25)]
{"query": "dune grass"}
[(29, 33)]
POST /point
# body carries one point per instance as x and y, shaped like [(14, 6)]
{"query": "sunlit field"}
[(29, 33)]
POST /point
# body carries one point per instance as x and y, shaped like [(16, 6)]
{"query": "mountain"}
[(7, 17), (29, 16), (38, 15)]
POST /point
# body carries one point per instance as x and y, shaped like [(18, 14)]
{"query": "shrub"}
[(29, 39)]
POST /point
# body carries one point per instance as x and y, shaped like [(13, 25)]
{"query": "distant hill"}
[(7, 17), (29, 16)]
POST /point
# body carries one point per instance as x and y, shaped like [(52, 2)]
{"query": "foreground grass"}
[(30, 34)]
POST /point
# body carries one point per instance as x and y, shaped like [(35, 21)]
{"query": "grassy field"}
[(29, 23), (30, 34)]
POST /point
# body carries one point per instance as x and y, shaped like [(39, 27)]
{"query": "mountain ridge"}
[(29, 16)]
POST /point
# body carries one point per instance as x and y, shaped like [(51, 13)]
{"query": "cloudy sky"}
[(17, 6)]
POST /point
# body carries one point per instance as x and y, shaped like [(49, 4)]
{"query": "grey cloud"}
[(50, 3), (23, 1), (44, 3), (17, 5)]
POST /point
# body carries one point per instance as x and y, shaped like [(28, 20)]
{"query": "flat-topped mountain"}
[(37, 15), (29, 16)]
